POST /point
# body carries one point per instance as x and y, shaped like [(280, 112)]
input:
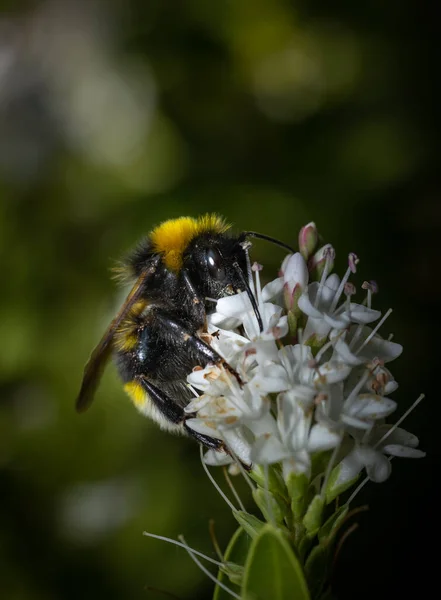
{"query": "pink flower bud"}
[(308, 238)]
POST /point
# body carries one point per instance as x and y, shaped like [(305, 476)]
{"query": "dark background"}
[(116, 115)]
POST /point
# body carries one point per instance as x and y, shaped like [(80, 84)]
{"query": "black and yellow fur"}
[(157, 338)]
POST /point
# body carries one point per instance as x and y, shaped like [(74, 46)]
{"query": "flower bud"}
[(308, 238), (295, 278), (316, 264)]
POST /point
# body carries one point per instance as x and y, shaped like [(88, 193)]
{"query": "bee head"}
[(218, 264)]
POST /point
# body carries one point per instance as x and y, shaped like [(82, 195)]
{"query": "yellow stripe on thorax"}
[(172, 237)]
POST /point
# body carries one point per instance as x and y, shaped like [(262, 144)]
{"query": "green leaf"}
[(297, 484), (304, 545), (315, 343), (333, 489), (319, 462), (270, 478), (314, 515), (333, 523), (271, 508), (317, 569), (250, 523), (272, 570), (235, 556)]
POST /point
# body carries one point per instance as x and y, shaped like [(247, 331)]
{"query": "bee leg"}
[(202, 353), (174, 413), (205, 440), (196, 305)]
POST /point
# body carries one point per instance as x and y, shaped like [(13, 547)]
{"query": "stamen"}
[(349, 400), (233, 489), (193, 390), (324, 276), (372, 288), (353, 261), (206, 571), (186, 547), (373, 332), (356, 336), (357, 489), (400, 420), (361, 486), (351, 269), (323, 349), (214, 539), (251, 296), (213, 481)]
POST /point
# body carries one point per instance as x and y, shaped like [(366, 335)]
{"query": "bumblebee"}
[(157, 337)]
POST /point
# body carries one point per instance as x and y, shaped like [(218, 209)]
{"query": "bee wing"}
[(98, 359)]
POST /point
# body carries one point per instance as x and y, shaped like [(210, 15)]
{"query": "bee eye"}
[(215, 264)]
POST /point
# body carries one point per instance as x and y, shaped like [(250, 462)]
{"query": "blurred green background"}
[(116, 115)]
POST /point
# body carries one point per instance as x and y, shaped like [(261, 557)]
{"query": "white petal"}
[(354, 422), (280, 328), (316, 327), (332, 372), (398, 436), (337, 322), (363, 314), (331, 408), (378, 467), (222, 409), (268, 449), (307, 307), (272, 289), (296, 272), (294, 423), (328, 291), (344, 352), (322, 438), (238, 444), (229, 345), (299, 462), (299, 353), (197, 403), (234, 306), (215, 458), (250, 325), (390, 387), (284, 263), (403, 451), (262, 351), (350, 467), (376, 347), (217, 320), (202, 379), (200, 426), (271, 381), (264, 426), (371, 406)]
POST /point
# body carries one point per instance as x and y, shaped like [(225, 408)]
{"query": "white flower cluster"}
[(329, 390)]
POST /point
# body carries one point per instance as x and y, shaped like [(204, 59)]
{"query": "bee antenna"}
[(250, 295), (262, 236)]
